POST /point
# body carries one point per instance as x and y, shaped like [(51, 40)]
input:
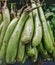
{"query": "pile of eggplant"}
[(24, 34)]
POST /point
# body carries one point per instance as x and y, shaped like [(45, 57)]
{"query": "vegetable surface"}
[(14, 40)]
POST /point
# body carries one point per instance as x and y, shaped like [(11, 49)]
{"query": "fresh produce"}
[(28, 30), (43, 52), (35, 57), (46, 35), (53, 25), (7, 36), (6, 20), (13, 13), (25, 37), (25, 58), (32, 52), (38, 28), (50, 31), (21, 52), (14, 40), (26, 33)]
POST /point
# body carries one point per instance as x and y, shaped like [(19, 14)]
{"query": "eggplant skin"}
[(28, 30)]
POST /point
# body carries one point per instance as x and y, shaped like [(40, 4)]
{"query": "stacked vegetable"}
[(26, 35)]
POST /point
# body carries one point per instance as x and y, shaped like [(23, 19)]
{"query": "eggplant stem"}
[(22, 9), (29, 9)]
